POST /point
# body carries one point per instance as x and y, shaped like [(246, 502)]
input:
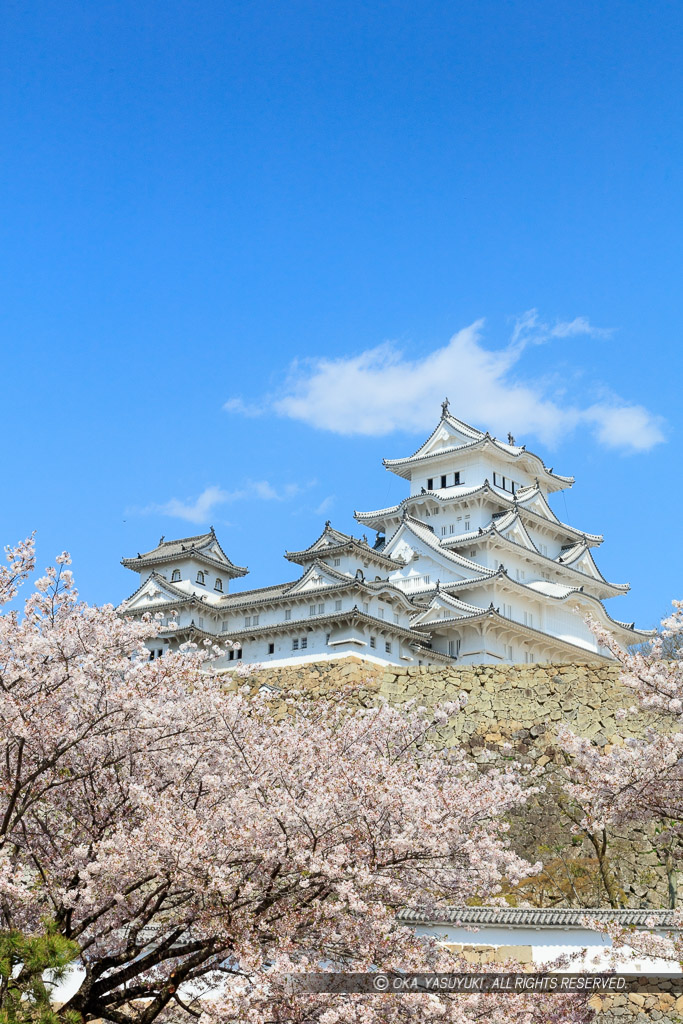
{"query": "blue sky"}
[(247, 248)]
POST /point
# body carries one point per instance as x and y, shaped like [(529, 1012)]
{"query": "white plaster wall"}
[(189, 568)]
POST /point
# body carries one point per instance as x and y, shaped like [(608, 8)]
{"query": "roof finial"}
[(511, 439), (327, 524), (211, 530), (444, 407), (161, 539)]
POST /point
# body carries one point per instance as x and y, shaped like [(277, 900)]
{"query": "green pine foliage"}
[(25, 994)]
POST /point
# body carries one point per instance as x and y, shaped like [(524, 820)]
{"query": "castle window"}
[(337, 561), (454, 648), (366, 607), (200, 577), (271, 648), (446, 480), (311, 609), (247, 620), (387, 646), (218, 585), (254, 621), (238, 653), (288, 614), (321, 609), (373, 642), (505, 483), (443, 531), (508, 652), (327, 638), (304, 642), (337, 606), (295, 644), (396, 616), (380, 612), (200, 620), (175, 575)]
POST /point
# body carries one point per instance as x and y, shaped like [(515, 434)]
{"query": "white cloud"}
[(243, 408), (579, 325), (262, 489), (630, 427), (199, 510), (529, 329), (324, 506), (383, 390)]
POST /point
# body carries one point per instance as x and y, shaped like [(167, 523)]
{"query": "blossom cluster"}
[(199, 844)]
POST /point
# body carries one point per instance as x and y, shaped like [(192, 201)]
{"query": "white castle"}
[(472, 566)]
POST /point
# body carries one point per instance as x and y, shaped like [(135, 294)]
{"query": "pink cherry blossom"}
[(199, 845)]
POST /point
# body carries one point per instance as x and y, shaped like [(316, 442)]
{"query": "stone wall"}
[(505, 702)]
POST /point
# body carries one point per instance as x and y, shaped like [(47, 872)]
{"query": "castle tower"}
[(497, 575)]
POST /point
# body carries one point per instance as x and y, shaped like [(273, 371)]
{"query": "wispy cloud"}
[(382, 390), (244, 408), (529, 329), (325, 506), (200, 509), (579, 325)]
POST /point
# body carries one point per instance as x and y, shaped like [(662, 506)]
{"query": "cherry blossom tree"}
[(197, 844), (639, 781)]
